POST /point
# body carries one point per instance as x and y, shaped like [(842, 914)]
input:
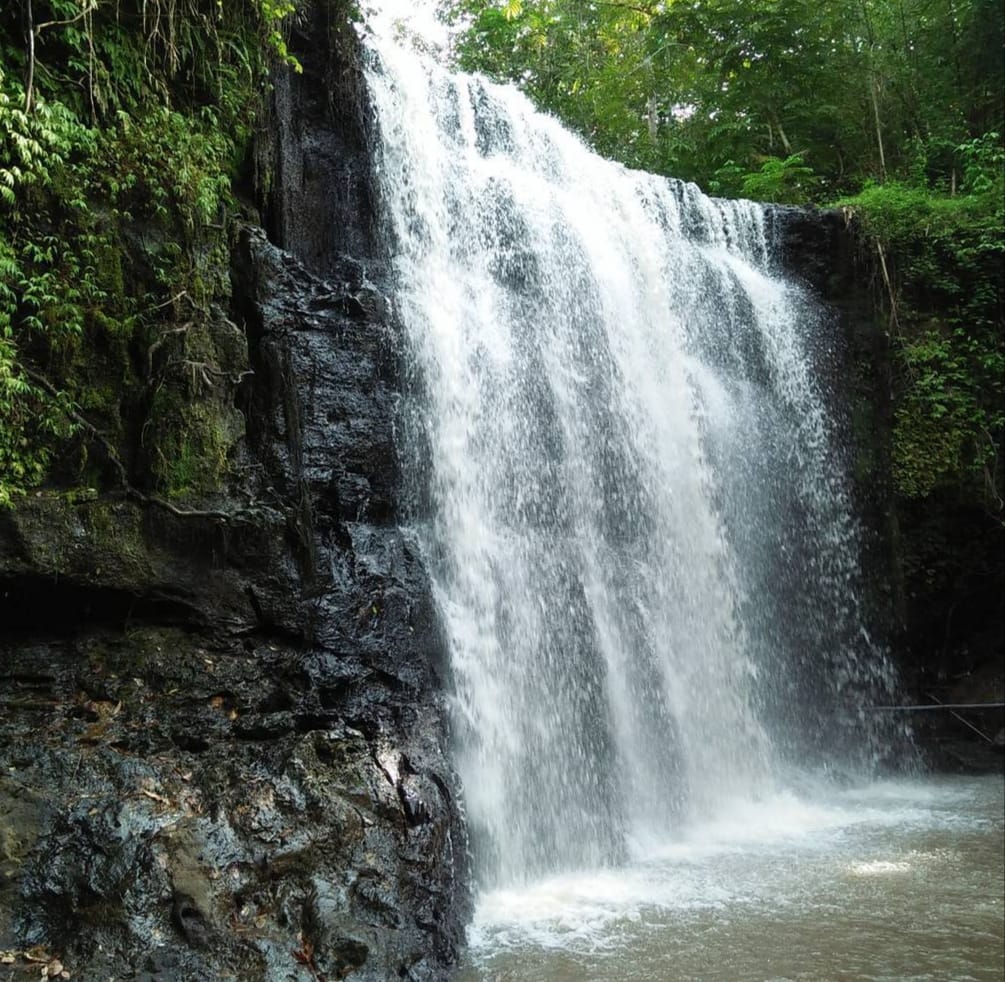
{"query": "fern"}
[(140, 113)]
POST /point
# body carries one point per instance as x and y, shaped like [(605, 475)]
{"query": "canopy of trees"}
[(794, 100)]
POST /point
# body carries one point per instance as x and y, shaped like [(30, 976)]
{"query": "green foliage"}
[(119, 142), (36, 298), (983, 162), (788, 181), (725, 93), (273, 14), (170, 170), (942, 424)]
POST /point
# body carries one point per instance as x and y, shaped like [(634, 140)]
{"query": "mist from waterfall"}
[(624, 477)]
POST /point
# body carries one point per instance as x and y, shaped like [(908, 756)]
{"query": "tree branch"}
[(33, 31)]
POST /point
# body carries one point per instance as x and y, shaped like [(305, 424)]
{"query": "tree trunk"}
[(873, 86), (781, 134), (652, 117), (30, 82)]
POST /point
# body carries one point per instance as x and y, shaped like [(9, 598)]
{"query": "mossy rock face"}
[(191, 444), (192, 426), (60, 535), (79, 557)]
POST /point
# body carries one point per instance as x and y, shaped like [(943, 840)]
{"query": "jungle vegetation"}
[(123, 127)]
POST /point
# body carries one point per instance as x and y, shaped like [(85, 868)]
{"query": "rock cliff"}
[(222, 738)]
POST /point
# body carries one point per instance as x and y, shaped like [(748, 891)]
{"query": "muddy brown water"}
[(892, 881)]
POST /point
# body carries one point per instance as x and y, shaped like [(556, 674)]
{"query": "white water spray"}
[(632, 513)]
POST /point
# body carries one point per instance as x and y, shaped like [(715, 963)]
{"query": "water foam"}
[(783, 853)]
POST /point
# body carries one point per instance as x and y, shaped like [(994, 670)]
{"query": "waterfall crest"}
[(628, 493)]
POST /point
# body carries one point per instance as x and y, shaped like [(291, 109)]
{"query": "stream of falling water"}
[(628, 490), (635, 519)]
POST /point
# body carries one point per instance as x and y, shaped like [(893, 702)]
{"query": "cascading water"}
[(631, 506)]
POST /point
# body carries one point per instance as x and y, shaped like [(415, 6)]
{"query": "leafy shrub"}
[(787, 181)]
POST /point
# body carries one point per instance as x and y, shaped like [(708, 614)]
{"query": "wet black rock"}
[(222, 732), (222, 743), (815, 245), (824, 250)]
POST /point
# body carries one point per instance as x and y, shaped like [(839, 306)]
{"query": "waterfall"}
[(625, 477)]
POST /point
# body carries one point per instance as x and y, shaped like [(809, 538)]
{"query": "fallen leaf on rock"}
[(155, 797), (305, 955), (93, 733)]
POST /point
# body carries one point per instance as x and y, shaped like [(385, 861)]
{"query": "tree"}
[(715, 91)]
